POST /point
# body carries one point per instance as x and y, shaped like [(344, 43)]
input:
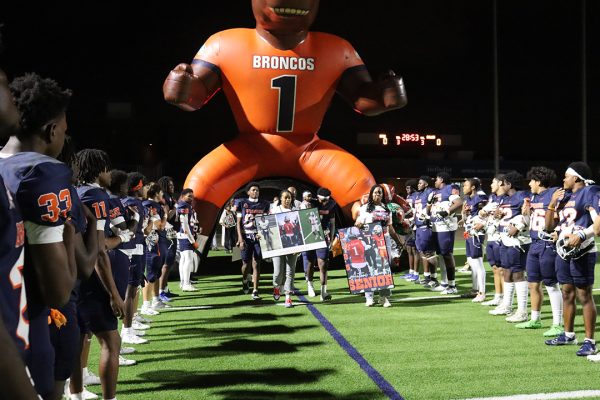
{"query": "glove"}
[(393, 92), (126, 236), (57, 318), (180, 88), (442, 214), (196, 245)]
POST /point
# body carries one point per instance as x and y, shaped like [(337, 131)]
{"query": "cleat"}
[(385, 302), (133, 339), (325, 296), (587, 349), (87, 395), (148, 311), (494, 302), (501, 310), (449, 290), (288, 303), (189, 288), (255, 295), (435, 287), (276, 294), (561, 340), (311, 289), (406, 276), (480, 298), (140, 319), (518, 316), (90, 379), (369, 302), (171, 294), (531, 324), (471, 294), (245, 286), (164, 298), (127, 350), (159, 305), (138, 326), (125, 362), (554, 331), (594, 358)]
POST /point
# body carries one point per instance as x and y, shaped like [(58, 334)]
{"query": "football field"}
[(219, 344)]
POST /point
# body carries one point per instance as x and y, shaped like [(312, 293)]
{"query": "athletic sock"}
[(556, 303), (522, 291)]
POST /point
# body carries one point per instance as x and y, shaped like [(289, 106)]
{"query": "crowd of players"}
[(77, 242)]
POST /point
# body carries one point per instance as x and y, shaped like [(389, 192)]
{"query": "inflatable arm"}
[(372, 98), (189, 87)]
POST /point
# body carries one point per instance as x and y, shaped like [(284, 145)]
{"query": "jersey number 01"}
[(286, 85)]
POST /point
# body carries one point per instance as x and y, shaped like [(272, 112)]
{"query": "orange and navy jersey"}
[(288, 227), (13, 301), (278, 91), (356, 249)]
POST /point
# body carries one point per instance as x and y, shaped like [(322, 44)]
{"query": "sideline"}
[(544, 396)]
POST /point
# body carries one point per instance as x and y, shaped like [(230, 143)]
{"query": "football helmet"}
[(377, 230)]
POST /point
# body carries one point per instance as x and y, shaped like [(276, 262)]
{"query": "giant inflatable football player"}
[(279, 80)]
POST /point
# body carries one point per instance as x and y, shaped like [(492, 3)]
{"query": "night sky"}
[(443, 49)]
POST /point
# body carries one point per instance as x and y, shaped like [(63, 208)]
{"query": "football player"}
[(247, 240), (40, 186), (168, 187), (515, 242), (425, 241), (186, 239), (542, 253), (578, 206), (446, 201), (474, 201), (409, 243)]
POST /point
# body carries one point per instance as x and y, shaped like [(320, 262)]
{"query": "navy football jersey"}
[(326, 213), (575, 213), (118, 214), (474, 204), (421, 199), (13, 300), (137, 205), (443, 199), (511, 207), (249, 210), (156, 212), (41, 187), (186, 214), (539, 205)]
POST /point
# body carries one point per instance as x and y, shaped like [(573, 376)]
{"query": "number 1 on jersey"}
[(286, 85)]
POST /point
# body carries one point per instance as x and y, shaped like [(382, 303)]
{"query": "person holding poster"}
[(375, 211), (286, 261)]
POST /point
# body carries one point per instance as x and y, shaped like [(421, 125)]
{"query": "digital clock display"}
[(408, 139), (415, 138)]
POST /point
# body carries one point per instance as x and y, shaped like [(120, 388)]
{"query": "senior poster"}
[(366, 257), (290, 232)]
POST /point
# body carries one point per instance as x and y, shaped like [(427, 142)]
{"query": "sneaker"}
[(310, 289), (496, 301), (587, 349), (126, 350), (501, 310), (133, 339), (90, 379), (148, 311), (437, 287), (164, 298), (288, 303), (414, 278), (471, 294), (594, 358), (325, 296), (255, 295), (138, 333), (554, 331), (464, 270), (531, 324), (369, 302), (85, 394), (276, 294), (480, 298), (386, 302), (125, 362), (432, 284), (406, 276), (140, 319), (138, 326), (171, 294), (159, 305), (449, 290), (518, 316), (424, 282), (245, 286), (189, 288), (561, 340)]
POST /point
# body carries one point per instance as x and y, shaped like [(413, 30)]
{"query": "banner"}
[(366, 255), (290, 232)]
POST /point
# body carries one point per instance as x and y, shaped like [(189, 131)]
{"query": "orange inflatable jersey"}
[(279, 99)]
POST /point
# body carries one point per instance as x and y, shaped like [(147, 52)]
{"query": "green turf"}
[(427, 349)]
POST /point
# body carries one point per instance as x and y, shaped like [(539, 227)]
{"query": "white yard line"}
[(543, 396)]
